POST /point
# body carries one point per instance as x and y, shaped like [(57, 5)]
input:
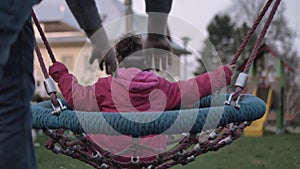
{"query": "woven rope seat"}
[(207, 128), (251, 108)]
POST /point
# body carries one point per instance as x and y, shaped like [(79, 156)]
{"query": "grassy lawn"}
[(267, 152), (48, 160)]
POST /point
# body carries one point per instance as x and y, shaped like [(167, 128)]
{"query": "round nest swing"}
[(206, 117)]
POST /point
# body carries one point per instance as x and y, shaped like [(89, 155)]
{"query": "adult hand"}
[(157, 47), (102, 51), (105, 58)]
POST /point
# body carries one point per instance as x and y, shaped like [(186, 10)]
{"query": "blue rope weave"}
[(213, 113)]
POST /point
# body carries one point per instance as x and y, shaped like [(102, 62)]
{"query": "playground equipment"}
[(268, 75), (257, 127), (222, 123)]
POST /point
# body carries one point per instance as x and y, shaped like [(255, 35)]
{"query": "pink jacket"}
[(136, 91)]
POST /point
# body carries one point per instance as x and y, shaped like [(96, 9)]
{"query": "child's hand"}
[(57, 70)]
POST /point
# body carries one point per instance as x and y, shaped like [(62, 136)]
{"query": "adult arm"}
[(157, 42), (161, 6), (87, 16)]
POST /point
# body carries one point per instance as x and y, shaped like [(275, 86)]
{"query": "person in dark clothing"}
[(90, 21), (16, 84)]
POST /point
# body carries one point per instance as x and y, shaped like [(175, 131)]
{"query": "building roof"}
[(267, 49)]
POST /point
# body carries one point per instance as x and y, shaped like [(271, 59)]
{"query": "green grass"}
[(267, 152), (48, 160)]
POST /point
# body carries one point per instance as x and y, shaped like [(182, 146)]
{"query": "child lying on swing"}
[(135, 90)]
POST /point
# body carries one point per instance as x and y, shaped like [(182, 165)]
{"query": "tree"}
[(218, 47), (224, 38), (279, 33), (220, 32)]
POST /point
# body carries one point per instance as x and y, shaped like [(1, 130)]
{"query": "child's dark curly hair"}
[(129, 44)]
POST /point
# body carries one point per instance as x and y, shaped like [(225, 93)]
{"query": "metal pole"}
[(185, 42), (280, 111), (128, 13)]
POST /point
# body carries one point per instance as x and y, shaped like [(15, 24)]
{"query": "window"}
[(68, 61), (38, 83)]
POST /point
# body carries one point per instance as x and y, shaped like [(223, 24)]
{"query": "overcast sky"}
[(200, 13)]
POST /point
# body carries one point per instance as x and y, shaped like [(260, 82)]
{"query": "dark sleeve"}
[(13, 15), (86, 14), (163, 6)]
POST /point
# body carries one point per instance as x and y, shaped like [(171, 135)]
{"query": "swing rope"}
[(205, 141), (251, 32), (48, 83), (43, 36), (261, 37), (41, 61), (243, 76)]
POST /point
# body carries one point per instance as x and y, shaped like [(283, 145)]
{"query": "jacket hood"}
[(136, 80)]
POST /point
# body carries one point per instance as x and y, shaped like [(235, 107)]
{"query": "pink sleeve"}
[(78, 97), (190, 91)]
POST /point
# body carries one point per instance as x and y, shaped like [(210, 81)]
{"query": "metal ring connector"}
[(97, 156), (135, 159), (228, 140), (49, 86), (191, 158), (58, 108), (213, 135), (150, 167), (241, 81), (198, 148), (228, 101), (180, 152), (237, 105), (103, 166), (56, 149)]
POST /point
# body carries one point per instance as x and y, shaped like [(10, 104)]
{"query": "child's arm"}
[(190, 91), (210, 82), (78, 96)]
